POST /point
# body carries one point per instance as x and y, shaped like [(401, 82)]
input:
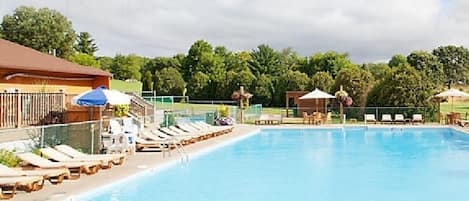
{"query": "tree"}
[(289, 81), (239, 61), (404, 86), (378, 70), (290, 60), (147, 81), (84, 59), (265, 60), (262, 91), (85, 44), (322, 81), (356, 82), (397, 60), (428, 65), (331, 62), (202, 58), (234, 80), (159, 63), (105, 62), (126, 67), (169, 82), (43, 29), (197, 88), (455, 61)]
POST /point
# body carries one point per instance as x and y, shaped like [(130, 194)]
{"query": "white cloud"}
[(369, 30)]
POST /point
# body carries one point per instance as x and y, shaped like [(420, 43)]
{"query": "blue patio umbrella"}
[(99, 97)]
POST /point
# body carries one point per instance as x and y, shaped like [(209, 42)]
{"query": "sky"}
[(369, 30)]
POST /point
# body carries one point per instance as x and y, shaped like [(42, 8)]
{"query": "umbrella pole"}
[(316, 104), (100, 124), (452, 99)]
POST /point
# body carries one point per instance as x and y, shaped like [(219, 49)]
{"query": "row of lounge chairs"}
[(181, 134), (398, 118), (55, 165)]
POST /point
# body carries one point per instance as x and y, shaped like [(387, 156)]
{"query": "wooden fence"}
[(25, 109)]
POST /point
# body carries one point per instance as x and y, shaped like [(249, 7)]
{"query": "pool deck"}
[(143, 161), (139, 162)]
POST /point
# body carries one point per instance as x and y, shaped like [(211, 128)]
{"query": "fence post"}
[(18, 110), (42, 137), (376, 112), (92, 138)]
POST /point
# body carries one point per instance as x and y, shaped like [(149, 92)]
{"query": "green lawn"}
[(126, 86), (461, 107)]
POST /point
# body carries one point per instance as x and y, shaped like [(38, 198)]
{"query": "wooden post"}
[(18, 110), (341, 108), (241, 103), (287, 103)]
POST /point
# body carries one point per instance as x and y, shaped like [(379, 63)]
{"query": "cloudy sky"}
[(369, 30)]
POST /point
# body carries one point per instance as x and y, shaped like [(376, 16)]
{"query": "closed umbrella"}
[(101, 96), (452, 93), (317, 94)]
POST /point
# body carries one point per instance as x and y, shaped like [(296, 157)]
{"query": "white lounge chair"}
[(225, 129), (8, 185), (175, 138), (117, 159), (215, 131), (188, 128), (170, 132), (417, 118), (197, 135), (58, 156), (161, 145), (76, 168), (386, 118), (370, 118), (399, 118), (55, 176)]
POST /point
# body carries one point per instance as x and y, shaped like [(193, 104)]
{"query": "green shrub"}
[(121, 110), (223, 111), (8, 158)]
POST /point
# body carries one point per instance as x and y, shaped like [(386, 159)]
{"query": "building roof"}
[(18, 57)]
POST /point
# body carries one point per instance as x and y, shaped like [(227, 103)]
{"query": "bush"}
[(121, 110), (223, 111), (8, 158)]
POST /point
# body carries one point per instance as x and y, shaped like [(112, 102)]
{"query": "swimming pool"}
[(411, 164)]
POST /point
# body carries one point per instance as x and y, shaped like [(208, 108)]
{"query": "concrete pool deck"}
[(135, 164), (143, 161)]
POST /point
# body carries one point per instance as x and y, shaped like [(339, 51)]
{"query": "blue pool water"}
[(412, 164)]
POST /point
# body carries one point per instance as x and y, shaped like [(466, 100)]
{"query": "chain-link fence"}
[(83, 136), (356, 114)]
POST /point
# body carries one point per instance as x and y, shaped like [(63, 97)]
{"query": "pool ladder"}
[(181, 151)]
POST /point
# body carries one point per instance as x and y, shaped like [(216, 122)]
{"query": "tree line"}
[(207, 72)]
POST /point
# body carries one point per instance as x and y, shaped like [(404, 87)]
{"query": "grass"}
[(126, 86), (461, 107)]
